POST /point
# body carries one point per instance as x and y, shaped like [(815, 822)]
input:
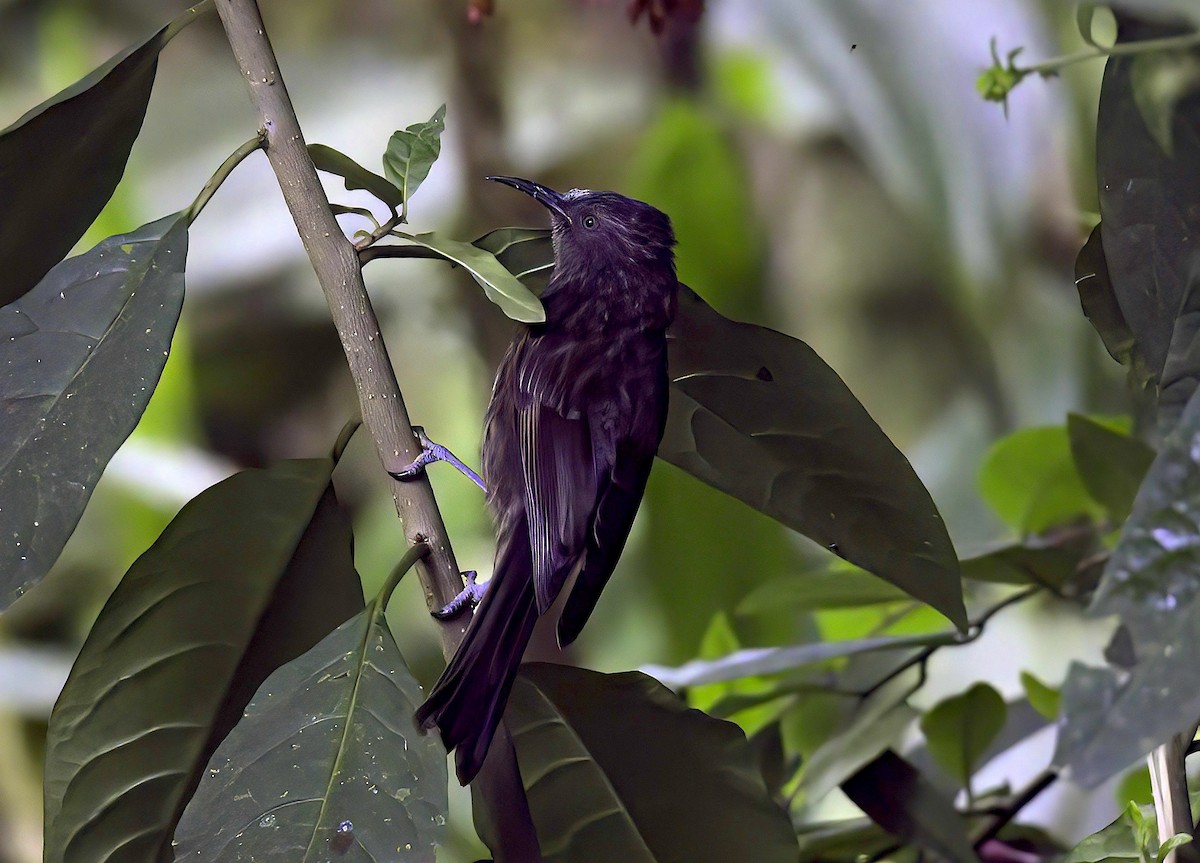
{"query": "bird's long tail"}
[(468, 700)]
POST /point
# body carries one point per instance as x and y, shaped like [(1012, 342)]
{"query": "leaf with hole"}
[(617, 768), (356, 176), (501, 286), (411, 153), (250, 574), (81, 354), (326, 764), (61, 161)]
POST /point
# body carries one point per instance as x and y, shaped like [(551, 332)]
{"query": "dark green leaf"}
[(1149, 222), (1111, 463), (846, 840), (959, 729), (760, 416), (1099, 301), (411, 153), (1152, 583), (1050, 566), (878, 724), (617, 768), (60, 162), (1029, 479), (501, 287), (527, 253), (356, 176), (81, 354), (756, 661), (839, 585), (327, 763), (248, 575), (1044, 699), (899, 799), (1116, 842)]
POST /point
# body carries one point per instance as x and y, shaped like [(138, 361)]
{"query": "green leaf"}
[(1044, 699), (720, 640), (757, 661), (1172, 843), (501, 286), (878, 725), (1029, 479), (1111, 463), (61, 161), (760, 416), (411, 153), (959, 730), (1152, 583), (839, 585), (900, 800), (617, 768), (1117, 841), (527, 253), (326, 764), (82, 353), (249, 575), (1051, 565), (356, 176)]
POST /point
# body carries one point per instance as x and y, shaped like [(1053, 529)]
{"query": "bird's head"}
[(602, 229)]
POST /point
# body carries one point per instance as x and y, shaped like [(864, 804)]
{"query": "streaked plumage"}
[(576, 416)]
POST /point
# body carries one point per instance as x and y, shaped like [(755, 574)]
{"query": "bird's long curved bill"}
[(549, 198)]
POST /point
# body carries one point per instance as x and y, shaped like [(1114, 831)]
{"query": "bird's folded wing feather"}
[(560, 492)]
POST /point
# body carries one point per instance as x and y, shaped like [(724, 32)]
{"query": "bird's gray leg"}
[(469, 597), (431, 452)]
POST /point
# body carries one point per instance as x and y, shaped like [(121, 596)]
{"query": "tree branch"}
[(336, 264)]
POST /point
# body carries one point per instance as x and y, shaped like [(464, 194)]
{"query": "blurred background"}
[(831, 172)]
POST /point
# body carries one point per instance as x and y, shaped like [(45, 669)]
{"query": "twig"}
[(222, 173), (1052, 66), (1005, 816), (336, 264)]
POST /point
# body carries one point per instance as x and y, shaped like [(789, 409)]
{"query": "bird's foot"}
[(431, 452), (469, 597)]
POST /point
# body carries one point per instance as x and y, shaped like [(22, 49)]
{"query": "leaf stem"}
[(420, 551), (370, 253), (1005, 816), (343, 439), (186, 18), (258, 142), (1048, 68)]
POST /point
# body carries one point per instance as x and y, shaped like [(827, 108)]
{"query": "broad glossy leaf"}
[(839, 585), (1152, 583), (80, 356), (61, 161), (411, 152), (960, 729), (1149, 223), (356, 176), (760, 416), (327, 763), (1111, 463), (617, 768), (1100, 304), (877, 725), (757, 661), (501, 286), (906, 804), (249, 575)]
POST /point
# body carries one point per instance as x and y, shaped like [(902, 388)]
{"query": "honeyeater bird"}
[(576, 416)]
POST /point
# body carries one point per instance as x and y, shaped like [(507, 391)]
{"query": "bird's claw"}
[(469, 597), (431, 452)]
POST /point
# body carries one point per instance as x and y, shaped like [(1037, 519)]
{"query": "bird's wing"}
[(560, 492), (619, 496)]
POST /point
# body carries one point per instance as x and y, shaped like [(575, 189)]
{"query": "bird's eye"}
[(589, 221)]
